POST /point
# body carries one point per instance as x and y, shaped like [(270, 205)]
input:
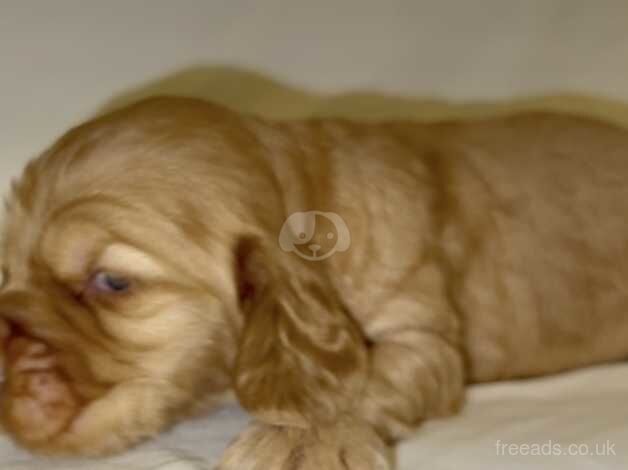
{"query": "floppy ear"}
[(302, 359)]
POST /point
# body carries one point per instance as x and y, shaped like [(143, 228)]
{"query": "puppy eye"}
[(109, 283)]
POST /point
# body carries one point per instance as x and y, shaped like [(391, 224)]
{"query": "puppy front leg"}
[(417, 366), (414, 376)]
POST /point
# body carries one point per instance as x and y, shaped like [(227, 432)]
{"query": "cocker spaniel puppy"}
[(345, 280)]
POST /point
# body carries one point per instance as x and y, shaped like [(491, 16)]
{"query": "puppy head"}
[(130, 298), (116, 257)]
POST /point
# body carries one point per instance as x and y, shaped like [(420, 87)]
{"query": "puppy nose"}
[(314, 247)]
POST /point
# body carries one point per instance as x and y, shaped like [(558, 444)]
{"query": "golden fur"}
[(479, 251)]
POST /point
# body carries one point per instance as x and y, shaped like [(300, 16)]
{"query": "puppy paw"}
[(343, 446), (38, 402)]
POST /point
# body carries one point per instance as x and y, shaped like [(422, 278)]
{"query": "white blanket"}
[(565, 421), (59, 61)]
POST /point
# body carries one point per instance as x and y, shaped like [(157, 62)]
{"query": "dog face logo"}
[(314, 235)]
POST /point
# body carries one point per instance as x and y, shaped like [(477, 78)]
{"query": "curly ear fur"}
[(302, 359)]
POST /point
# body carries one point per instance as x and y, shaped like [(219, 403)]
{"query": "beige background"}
[(64, 60), (61, 60)]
